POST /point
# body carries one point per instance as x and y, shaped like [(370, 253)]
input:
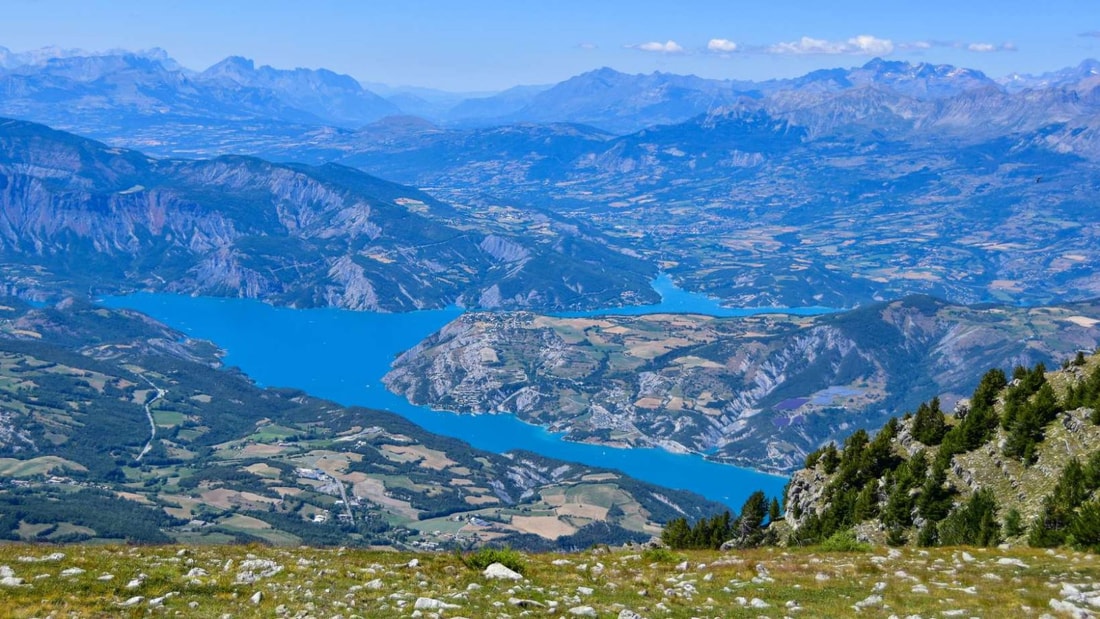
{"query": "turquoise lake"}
[(342, 355)]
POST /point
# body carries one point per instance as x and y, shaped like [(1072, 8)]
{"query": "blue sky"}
[(479, 45)]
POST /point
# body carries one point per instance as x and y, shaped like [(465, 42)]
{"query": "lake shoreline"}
[(342, 355)]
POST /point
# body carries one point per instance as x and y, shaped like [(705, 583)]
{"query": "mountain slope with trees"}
[(1018, 462)]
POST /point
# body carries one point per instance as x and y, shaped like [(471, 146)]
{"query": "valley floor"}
[(255, 581)]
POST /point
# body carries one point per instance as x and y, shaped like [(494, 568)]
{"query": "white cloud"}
[(806, 45), (721, 46), (862, 44), (985, 48), (588, 46), (868, 44), (668, 47)]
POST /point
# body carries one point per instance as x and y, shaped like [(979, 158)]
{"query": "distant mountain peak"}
[(44, 55), (233, 67)]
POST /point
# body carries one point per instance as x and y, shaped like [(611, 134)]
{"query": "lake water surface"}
[(342, 355)]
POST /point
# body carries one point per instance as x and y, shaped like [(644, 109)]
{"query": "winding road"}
[(149, 415)]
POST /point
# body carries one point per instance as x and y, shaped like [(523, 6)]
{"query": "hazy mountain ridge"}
[(759, 391), (755, 207), (159, 99), (91, 215)]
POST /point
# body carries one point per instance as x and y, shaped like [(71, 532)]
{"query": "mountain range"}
[(110, 94), (742, 190), (78, 215)]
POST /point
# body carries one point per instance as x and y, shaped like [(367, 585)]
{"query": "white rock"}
[(585, 590), (57, 556), (6, 572), (1070, 609), (870, 600), (196, 572), (582, 611), (105, 577), (966, 556), (498, 570), (134, 601), (1011, 561), (72, 571), (919, 589), (758, 603), (626, 613), (375, 584), (413, 563), (432, 604), (257, 597), (10, 581), (252, 570)]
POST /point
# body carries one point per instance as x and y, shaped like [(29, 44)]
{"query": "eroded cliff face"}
[(760, 391), (90, 216)]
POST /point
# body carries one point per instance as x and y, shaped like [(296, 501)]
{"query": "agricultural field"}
[(143, 437)]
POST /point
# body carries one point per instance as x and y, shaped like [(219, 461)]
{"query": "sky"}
[(488, 45)]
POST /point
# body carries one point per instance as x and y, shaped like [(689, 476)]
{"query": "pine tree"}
[(929, 425), (830, 459), (1013, 523), (866, 506), (753, 512), (973, 523), (1051, 526), (773, 510), (934, 501), (1084, 529), (676, 533)]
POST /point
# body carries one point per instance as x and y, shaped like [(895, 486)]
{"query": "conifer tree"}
[(773, 510), (1050, 527), (929, 425)]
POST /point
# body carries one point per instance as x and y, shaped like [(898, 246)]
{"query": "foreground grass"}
[(212, 581)]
